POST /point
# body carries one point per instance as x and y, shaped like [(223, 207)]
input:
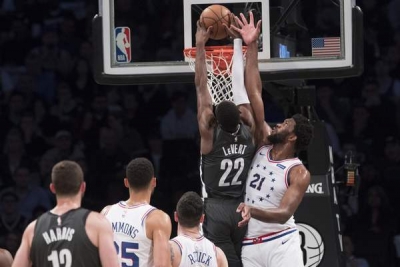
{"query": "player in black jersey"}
[(68, 235), (227, 149)]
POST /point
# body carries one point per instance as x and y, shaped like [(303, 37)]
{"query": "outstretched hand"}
[(245, 212), (202, 34), (247, 30), (233, 34)]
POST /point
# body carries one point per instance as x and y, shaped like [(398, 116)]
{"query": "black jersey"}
[(62, 241), (224, 169)]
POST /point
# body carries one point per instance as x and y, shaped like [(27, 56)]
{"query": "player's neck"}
[(139, 197), (282, 152), (191, 232), (65, 204)]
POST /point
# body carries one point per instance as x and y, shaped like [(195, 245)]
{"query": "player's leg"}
[(218, 225), (256, 255), (287, 251)]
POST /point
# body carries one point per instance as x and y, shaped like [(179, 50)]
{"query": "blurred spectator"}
[(351, 260), (10, 219), (180, 122), (30, 195)]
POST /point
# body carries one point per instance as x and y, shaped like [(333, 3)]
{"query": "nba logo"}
[(122, 44)]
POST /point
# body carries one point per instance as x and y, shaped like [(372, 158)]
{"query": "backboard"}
[(142, 41)]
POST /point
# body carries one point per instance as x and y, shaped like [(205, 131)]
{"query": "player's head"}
[(297, 129), (140, 174), (189, 210), (67, 179), (228, 116)]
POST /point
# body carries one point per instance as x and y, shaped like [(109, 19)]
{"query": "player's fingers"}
[(240, 207), (209, 29), (259, 25), (235, 28), (251, 18), (244, 222), (243, 19), (239, 22)]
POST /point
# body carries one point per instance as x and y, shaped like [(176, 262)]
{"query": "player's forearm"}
[(200, 68), (253, 83), (278, 215)]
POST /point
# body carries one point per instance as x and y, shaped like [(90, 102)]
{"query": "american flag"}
[(325, 46)]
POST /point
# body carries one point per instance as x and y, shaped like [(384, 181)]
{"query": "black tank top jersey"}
[(62, 241), (224, 170)]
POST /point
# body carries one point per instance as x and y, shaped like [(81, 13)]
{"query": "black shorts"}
[(221, 227)]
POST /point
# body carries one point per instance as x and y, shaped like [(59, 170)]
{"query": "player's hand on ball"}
[(245, 212), (233, 34), (202, 35)]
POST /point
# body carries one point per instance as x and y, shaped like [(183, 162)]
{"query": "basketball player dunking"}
[(68, 235), (190, 248), (227, 150), (277, 179), (141, 232)]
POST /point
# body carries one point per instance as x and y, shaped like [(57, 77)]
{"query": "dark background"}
[(51, 109)]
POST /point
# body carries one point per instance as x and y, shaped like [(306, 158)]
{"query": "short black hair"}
[(67, 178), (304, 131), (139, 172), (228, 116), (190, 208)]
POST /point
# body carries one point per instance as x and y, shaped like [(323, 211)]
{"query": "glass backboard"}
[(143, 41)]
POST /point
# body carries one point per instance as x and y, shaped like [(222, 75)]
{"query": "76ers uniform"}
[(270, 244), (196, 251), (129, 227), (224, 172)]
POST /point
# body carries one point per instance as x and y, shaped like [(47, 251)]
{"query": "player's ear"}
[(83, 187), (175, 216), (292, 137), (154, 182), (52, 189), (126, 182), (202, 218)]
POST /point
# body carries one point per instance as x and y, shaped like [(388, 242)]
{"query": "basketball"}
[(215, 16)]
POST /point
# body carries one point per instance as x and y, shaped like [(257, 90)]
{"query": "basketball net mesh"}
[(219, 70)]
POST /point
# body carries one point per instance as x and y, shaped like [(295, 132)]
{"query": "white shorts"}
[(277, 250)]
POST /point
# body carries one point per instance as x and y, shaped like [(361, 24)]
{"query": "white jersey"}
[(130, 239), (267, 183), (196, 251)]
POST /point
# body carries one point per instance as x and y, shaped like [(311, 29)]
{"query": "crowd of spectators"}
[(51, 109)]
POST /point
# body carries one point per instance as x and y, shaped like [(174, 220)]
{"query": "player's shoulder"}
[(97, 220), (158, 215), (106, 209), (300, 173)]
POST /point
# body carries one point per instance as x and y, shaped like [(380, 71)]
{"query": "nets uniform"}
[(223, 173), (196, 251), (62, 241), (129, 227), (270, 244)]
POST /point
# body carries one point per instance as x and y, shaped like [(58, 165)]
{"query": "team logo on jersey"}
[(312, 245), (281, 166), (122, 44)]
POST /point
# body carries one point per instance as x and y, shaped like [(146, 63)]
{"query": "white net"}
[(219, 71)]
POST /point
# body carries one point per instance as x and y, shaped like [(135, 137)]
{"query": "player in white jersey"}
[(141, 232), (277, 179), (190, 247)]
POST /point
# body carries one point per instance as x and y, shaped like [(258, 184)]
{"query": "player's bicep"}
[(299, 181), (107, 251), (175, 254), (221, 258), (22, 257), (160, 226)]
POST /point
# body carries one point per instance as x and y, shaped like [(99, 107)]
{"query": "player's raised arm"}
[(250, 34), (159, 225), (204, 101), (22, 257)]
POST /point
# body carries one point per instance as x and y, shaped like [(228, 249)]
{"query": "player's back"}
[(196, 251), (129, 227), (224, 169), (63, 241)]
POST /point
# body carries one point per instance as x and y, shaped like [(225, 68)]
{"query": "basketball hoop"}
[(219, 70)]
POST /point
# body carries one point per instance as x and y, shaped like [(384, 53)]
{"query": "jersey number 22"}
[(227, 165)]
